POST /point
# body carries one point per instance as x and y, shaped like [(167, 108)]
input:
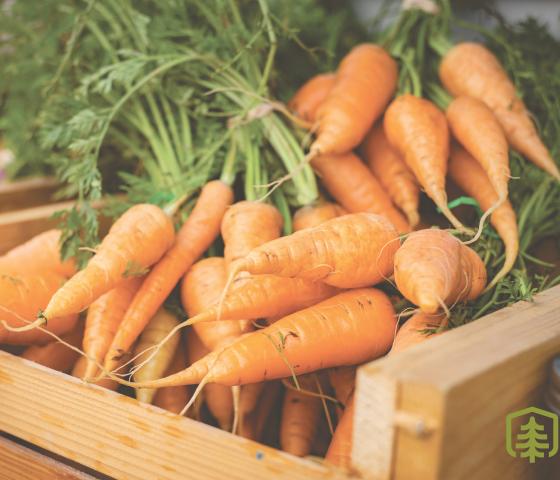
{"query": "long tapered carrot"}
[(40, 253), (313, 215), (417, 129), (365, 82), (21, 298), (173, 399), (470, 69), (193, 239), (415, 331), (434, 269), (311, 95), (351, 251), (467, 173), (103, 319), (137, 240), (55, 354), (352, 185), (247, 225), (79, 371), (349, 328), (392, 172), (301, 413), (340, 448)]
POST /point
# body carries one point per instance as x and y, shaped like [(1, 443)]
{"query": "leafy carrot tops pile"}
[(265, 248)]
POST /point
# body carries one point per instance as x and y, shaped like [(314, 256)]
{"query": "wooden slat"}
[(122, 438), (27, 193), (462, 385), (21, 463)]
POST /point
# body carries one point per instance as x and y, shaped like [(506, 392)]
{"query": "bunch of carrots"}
[(274, 326)]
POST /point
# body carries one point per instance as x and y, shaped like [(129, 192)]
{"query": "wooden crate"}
[(436, 411)]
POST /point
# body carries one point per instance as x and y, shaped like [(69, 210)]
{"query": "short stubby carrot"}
[(416, 330), (466, 172), (471, 69), (193, 239), (366, 80), (311, 95), (22, 297), (247, 225), (347, 329), (40, 253), (434, 269), (136, 241), (352, 185), (392, 172), (103, 319), (351, 251), (313, 215), (418, 130)]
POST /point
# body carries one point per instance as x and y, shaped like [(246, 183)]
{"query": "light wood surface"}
[(27, 193), (460, 386), (21, 463)]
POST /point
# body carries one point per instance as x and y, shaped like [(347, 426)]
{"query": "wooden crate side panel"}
[(122, 438), (27, 193)]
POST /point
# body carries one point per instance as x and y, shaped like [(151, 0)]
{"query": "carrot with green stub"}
[(467, 173), (311, 95), (392, 172), (193, 239)]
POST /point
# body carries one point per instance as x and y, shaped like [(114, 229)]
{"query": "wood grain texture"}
[(122, 438), (20, 463), (27, 193), (462, 383)]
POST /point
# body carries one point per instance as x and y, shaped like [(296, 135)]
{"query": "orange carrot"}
[(414, 332), (103, 319), (349, 328), (433, 269), (193, 239), (470, 69), (365, 82), (247, 225), (158, 327), (250, 396), (311, 95), (40, 253), (314, 215), (79, 370), (471, 178), (136, 241), (351, 251), (393, 173), (340, 449), (352, 185), (418, 131), (342, 380), (173, 399), (56, 355), (301, 413), (21, 298)]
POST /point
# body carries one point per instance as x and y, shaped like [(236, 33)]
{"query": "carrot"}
[(247, 225), (392, 172), (21, 298), (313, 215), (467, 173), (103, 319), (340, 448), (342, 380), (173, 399), (301, 413), (311, 95), (157, 328), (351, 251), (193, 239), (365, 82), (250, 397), (40, 253), (347, 329), (418, 131), (414, 332), (55, 354), (433, 269), (470, 69), (352, 185), (136, 241), (259, 419), (79, 371)]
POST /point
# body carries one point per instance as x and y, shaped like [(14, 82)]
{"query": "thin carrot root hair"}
[(483, 219), (196, 393), (387, 279), (235, 393), (31, 324), (289, 385), (324, 403)]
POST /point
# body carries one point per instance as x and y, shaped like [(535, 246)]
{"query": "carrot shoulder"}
[(311, 95)]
